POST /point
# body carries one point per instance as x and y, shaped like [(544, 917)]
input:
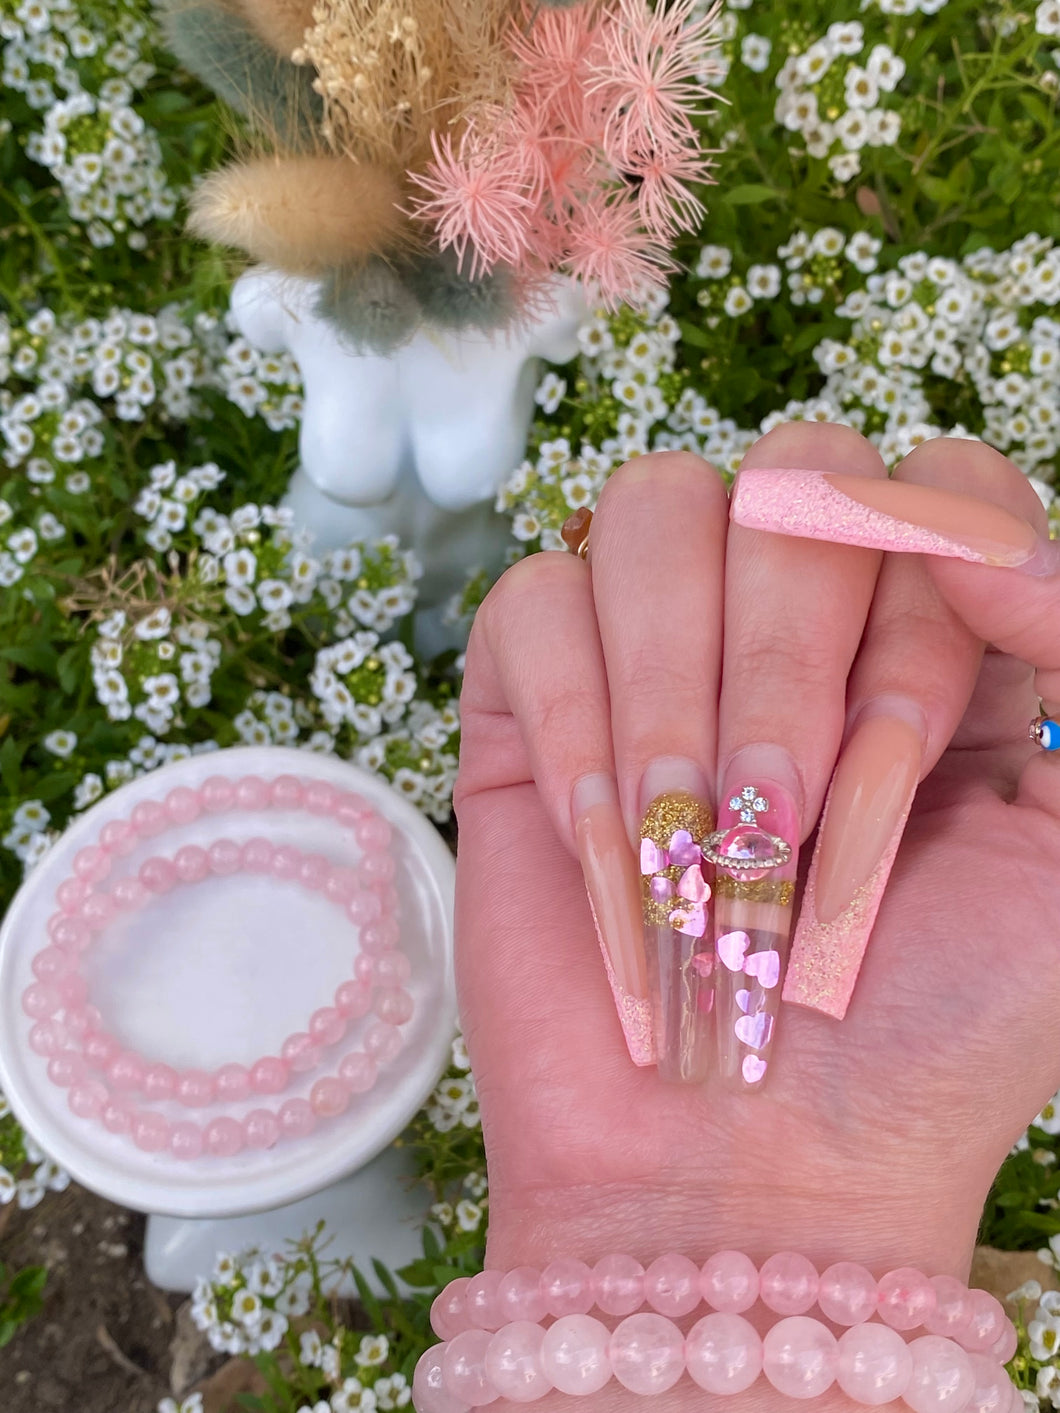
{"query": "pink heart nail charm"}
[(683, 850), (765, 966), (652, 858), (703, 963), (705, 1001), (661, 889), (753, 1068), (693, 885), (754, 1030), (745, 1001), (693, 921), (731, 947)]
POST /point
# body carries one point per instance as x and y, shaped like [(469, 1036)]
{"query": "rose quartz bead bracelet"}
[(497, 1346), (69, 1031)]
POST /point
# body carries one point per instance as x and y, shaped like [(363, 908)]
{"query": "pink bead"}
[(47, 1038), (118, 837), (223, 1137), (647, 1353), (340, 884), (618, 1284), (464, 1368), (1006, 1345), (379, 937), (52, 962), (952, 1310), (191, 863), (195, 1089), (986, 1323), (429, 1393), (268, 1075), (128, 894), (286, 792), (364, 907), (723, 1353), (252, 793), (66, 1068), (69, 933), (285, 862), (364, 968), (942, 1376), (519, 1296), (383, 1042), (448, 1312), (81, 1019), (329, 1098), (225, 857), (480, 1300), (787, 1283), (847, 1293), (182, 805), (375, 867), (71, 893), (313, 871), (72, 989), (98, 910), (574, 1354), (358, 1071), (327, 1026), (388, 897), (904, 1298), (395, 1005), (148, 818), (159, 1082), (117, 1115), (157, 875), (217, 794), (185, 1140), (232, 1083), (671, 1285), (86, 1099), (513, 1362), (351, 809), (353, 998), (100, 1049), (373, 833), (150, 1131), (257, 855), (296, 1118), (41, 1000), (126, 1070), (874, 1364), (261, 1128), (393, 969), (299, 1053), (799, 1357), (992, 1386), (93, 864), (320, 797)]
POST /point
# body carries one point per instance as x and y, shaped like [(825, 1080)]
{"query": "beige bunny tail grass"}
[(303, 215), (280, 23)]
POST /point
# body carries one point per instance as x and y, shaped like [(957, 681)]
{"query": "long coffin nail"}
[(887, 515), (758, 833), (864, 817), (676, 891), (610, 869)]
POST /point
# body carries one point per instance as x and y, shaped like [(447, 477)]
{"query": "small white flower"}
[(714, 263), (310, 1349), (755, 50), (763, 281), (550, 392), (737, 301), (60, 743), (373, 1350), (468, 1214)]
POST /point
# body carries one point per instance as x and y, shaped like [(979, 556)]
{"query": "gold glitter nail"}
[(666, 814), (761, 890)]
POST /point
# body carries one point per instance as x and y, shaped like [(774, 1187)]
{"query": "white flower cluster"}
[(1043, 1331), (46, 1176), (467, 1213), (106, 159), (164, 663), (352, 1394), (249, 1301), (419, 756), (28, 836), (363, 682), (454, 1101), (265, 385), (835, 101), (907, 7)]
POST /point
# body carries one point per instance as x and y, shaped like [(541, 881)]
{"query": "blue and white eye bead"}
[(1046, 733)]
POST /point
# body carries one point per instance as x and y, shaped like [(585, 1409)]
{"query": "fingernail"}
[(755, 850), (884, 515), (675, 895), (864, 818), (609, 866)]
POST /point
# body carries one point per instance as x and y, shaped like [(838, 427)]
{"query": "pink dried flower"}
[(663, 196), (609, 252), (555, 50)]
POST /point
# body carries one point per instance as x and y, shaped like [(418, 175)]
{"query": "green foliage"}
[(1022, 1211), (21, 1297)]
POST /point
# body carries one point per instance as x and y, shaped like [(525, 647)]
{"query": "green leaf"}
[(386, 1280), (28, 1284), (751, 194), (252, 1401), (694, 335), (69, 668), (368, 1299)]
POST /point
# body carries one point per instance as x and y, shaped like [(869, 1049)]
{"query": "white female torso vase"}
[(416, 443)]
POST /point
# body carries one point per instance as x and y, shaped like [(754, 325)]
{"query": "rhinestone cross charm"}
[(749, 804)]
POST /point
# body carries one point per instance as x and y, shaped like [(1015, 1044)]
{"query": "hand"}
[(876, 1138)]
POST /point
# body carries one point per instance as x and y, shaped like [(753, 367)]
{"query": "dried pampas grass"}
[(280, 23), (391, 71), (303, 215)]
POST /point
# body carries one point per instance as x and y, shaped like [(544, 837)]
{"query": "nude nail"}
[(864, 817), (885, 515), (613, 885)]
